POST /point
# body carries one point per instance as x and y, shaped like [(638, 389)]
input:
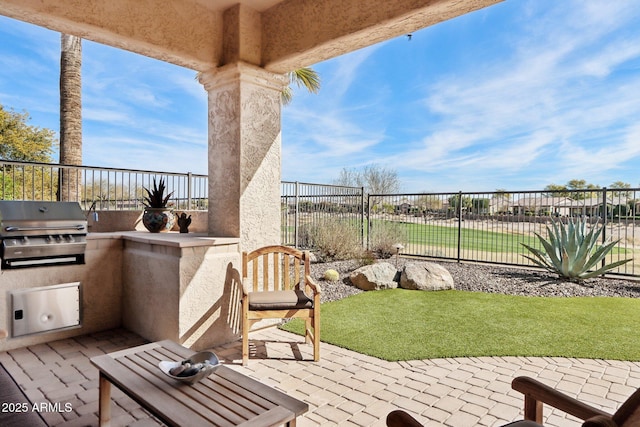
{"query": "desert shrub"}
[(332, 239), (572, 252), (367, 258), (384, 238)]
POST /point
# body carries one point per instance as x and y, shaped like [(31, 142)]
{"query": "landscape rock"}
[(381, 275), (426, 276)]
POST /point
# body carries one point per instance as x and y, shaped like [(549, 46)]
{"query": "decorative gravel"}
[(486, 278)]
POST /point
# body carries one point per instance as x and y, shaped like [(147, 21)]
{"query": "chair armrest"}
[(245, 289), (312, 284), (400, 418), (600, 421), (537, 393)]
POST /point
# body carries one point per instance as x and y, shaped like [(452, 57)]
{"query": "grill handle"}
[(61, 227)]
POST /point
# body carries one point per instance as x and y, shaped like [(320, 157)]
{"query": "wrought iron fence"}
[(465, 226), (307, 206), (491, 227), (104, 188)]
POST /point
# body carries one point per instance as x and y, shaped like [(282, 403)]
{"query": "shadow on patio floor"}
[(345, 388)]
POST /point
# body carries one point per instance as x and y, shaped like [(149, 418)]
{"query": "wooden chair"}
[(536, 394), (281, 287)]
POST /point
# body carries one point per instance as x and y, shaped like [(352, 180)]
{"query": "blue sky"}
[(517, 96)]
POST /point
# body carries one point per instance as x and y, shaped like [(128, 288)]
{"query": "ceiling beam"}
[(181, 32), (298, 33)]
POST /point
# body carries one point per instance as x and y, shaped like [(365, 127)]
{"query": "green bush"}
[(332, 239)]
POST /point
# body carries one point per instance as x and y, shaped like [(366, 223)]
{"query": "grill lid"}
[(20, 217), (35, 233)]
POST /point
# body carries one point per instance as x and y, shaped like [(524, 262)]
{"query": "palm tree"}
[(303, 77), (70, 115)]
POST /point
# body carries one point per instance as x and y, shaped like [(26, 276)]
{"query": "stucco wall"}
[(101, 290), (181, 290)]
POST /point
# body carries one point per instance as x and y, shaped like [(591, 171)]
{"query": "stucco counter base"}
[(181, 287)]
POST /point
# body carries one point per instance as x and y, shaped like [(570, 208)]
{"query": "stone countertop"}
[(182, 240)]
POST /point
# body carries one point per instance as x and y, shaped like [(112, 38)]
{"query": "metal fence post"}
[(362, 217), (604, 220), (459, 226), (295, 215), (189, 184), (369, 222)]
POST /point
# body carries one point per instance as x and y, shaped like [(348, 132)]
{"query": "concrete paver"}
[(345, 388)]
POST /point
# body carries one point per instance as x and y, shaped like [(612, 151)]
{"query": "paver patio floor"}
[(343, 389)]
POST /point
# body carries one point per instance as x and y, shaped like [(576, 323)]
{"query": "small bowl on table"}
[(193, 369)]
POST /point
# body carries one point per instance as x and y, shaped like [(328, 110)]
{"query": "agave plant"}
[(156, 198), (571, 252)]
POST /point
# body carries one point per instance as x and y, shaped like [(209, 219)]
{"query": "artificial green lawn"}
[(401, 324)]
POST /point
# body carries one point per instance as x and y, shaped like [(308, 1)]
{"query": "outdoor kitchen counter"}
[(174, 239), (181, 287), (161, 286)]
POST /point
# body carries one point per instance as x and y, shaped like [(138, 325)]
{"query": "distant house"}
[(593, 206), (499, 204), (542, 205)]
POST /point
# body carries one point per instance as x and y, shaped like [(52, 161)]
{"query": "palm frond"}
[(305, 77)]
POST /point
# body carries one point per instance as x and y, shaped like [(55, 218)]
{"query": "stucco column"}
[(244, 153)]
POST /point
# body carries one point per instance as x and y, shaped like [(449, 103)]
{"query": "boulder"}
[(381, 275), (426, 276)]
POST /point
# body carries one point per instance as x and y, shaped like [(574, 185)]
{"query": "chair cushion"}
[(279, 300)]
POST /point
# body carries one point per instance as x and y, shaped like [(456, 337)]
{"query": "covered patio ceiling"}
[(242, 50), (278, 35)]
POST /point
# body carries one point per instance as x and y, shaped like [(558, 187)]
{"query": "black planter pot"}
[(158, 220)]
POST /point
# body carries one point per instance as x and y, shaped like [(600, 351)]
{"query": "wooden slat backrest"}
[(280, 271)]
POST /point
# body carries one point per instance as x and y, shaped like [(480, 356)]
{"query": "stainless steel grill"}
[(38, 233)]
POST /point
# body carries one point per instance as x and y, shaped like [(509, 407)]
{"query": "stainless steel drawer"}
[(45, 309)]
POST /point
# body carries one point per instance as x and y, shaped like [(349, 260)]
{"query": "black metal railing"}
[(102, 188)]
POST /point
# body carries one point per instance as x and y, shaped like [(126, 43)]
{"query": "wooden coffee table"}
[(225, 398)]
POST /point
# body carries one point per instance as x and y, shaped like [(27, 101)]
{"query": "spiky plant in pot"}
[(572, 252), (157, 217), (156, 198)]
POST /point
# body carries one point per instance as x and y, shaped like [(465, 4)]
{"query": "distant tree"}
[(580, 185), (23, 142), (20, 141), (429, 203), (374, 178), (618, 186), (555, 190), (574, 189), (455, 203), (480, 206)]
